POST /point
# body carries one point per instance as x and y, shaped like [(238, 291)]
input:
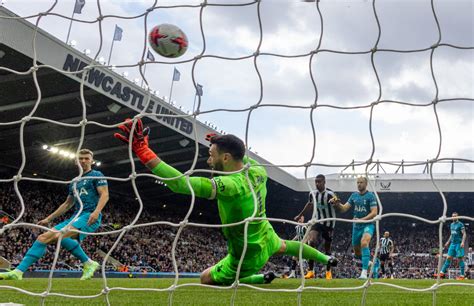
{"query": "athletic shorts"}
[(358, 230), (455, 250), (224, 272), (81, 224), (385, 257), (325, 231)]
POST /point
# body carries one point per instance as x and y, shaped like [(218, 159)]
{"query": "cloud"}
[(284, 136)]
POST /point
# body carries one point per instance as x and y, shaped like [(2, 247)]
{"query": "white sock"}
[(363, 273), (89, 261)]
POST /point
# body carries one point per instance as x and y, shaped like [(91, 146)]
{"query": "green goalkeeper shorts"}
[(224, 272)]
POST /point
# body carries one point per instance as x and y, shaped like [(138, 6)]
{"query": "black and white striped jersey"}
[(385, 245), (300, 231), (470, 259), (323, 208)]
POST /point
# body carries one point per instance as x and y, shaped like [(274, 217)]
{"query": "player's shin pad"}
[(293, 249)]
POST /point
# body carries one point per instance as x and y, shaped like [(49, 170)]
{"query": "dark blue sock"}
[(36, 251), (365, 258), (447, 262), (462, 266), (74, 247)]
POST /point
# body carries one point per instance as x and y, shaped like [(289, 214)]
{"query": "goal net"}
[(191, 123)]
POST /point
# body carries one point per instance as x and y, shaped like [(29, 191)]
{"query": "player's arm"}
[(63, 208), (463, 231), (392, 249), (373, 212), (203, 187), (447, 242), (307, 207), (337, 203), (103, 192)]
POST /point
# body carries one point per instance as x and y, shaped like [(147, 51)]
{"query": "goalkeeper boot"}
[(309, 274), (12, 275), (328, 274), (89, 269), (460, 277), (268, 277)]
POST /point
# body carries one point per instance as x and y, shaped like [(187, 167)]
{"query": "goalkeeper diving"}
[(235, 201)]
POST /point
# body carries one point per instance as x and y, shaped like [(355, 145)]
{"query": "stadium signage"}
[(385, 186), (125, 94)]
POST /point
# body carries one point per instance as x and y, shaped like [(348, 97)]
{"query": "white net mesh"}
[(311, 109)]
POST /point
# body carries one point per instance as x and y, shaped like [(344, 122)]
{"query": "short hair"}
[(86, 151), (364, 178), (230, 144), (455, 212), (320, 176)]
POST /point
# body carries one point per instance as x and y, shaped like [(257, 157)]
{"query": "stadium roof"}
[(109, 99)]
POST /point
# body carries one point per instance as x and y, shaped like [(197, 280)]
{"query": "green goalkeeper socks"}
[(293, 249), (253, 279)]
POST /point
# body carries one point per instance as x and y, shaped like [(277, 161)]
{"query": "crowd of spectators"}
[(149, 248)]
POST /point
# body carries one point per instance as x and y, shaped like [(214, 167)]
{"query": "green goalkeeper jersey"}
[(235, 202)]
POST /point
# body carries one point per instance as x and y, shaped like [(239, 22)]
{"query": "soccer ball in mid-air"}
[(168, 40)]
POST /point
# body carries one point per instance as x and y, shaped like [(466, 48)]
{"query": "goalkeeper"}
[(235, 203)]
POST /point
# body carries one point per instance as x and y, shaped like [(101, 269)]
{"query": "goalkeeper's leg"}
[(290, 247)]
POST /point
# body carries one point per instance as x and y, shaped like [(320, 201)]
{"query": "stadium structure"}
[(110, 97)]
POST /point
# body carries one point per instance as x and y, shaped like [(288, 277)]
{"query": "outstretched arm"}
[(203, 187), (336, 202)]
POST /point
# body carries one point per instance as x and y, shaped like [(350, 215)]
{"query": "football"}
[(168, 40)]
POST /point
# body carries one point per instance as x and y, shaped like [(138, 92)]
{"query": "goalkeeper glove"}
[(139, 140)]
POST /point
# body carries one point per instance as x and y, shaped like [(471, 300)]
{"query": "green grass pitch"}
[(377, 295)]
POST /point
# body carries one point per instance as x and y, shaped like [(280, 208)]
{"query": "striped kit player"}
[(324, 209), (300, 230), (387, 247)]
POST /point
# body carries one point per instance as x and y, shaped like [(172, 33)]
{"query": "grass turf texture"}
[(377, 294)]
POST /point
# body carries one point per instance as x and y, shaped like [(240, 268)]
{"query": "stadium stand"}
[(148, 249)]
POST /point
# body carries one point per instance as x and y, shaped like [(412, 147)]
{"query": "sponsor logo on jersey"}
[(83, 191), (219, 184)]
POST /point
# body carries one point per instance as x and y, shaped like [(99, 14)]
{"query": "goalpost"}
[(7, 21)]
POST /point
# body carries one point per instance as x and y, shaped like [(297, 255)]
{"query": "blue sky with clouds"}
[(284, 135)]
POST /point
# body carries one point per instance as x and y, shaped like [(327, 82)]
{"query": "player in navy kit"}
[(93, 194)]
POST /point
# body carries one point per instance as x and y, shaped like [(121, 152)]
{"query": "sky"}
[(284, 135)]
